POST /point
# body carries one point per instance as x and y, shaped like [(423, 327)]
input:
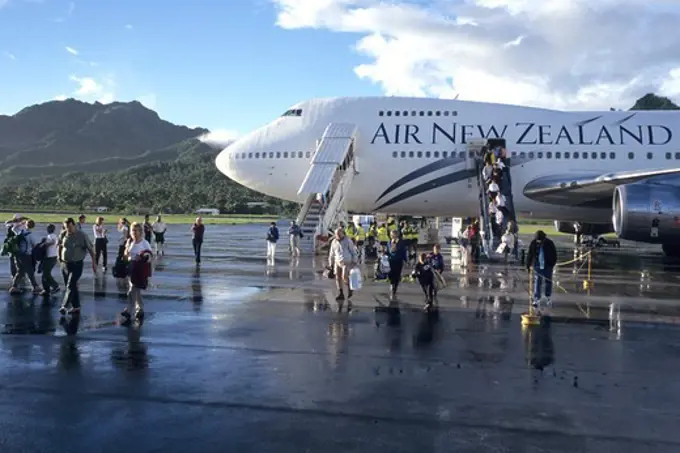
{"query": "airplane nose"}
[(225, 162)]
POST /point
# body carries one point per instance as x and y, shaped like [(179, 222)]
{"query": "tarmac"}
[(240, 355)]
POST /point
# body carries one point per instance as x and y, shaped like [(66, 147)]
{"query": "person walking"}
[(49, 284), (124, 230), (24, 258), (342, 258), (159, 227), (148, 229), (272, 239), (295, 233), (542, 258), (138, 254), (100, 242), (81, 221), (73, 244), (13, 224), (397, 250), (197, 233)]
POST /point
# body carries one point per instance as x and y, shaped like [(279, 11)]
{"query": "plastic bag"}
[(355, 279)]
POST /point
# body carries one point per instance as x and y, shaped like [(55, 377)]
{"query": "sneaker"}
[(341, 296), (62, 310), (349, 293)]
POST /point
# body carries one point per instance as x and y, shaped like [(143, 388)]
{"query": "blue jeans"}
[(539, 276)]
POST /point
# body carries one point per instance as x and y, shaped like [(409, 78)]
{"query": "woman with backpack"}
[(138, 254), (100, 241)]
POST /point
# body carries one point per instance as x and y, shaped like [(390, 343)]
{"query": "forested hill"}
[(179, 186)]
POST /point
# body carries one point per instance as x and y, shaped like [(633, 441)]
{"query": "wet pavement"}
[(245, 356)]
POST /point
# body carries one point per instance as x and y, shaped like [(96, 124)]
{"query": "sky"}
[(234, 65)]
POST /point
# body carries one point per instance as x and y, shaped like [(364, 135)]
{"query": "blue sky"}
[(217, 64)]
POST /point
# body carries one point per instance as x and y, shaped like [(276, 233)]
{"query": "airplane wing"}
[(588, 189)]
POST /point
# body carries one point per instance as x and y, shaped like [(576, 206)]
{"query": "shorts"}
[(160, 238)]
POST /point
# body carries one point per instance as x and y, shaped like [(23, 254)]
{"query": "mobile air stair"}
[(476, 148), (326, 185)]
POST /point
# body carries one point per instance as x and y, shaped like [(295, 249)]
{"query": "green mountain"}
[(61, 136), (651, 101)]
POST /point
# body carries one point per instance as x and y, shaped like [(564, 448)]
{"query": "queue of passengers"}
[(29, 253)]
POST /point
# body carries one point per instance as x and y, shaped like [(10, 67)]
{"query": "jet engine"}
[(647, 212)]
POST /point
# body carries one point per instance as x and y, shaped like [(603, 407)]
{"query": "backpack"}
[(40, 251), (12, 245)]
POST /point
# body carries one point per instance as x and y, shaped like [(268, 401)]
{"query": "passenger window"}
[(257, 155), (285, 154), (548, 155), (668, 155), (540, 155), (264, 155), (558, 155), (420, 154), (603, 155), (461, 154), (446, 113), (576, 156), (389, 113), (514, 154), (278, 155), (299, 154), (522, 155), (677, 155), (612, 155), (584, 155), (271, 155), (250, 155), (445, 154), (531, 155), (427, 154), (422, 113), (410, 154), (403, 154), (649, 155), (437, 113), (394, 154), (436, 154), (397, 113), (454, 113), (593, 155), (236, 156), (381, 113), (631, 156), (405, 113), (429, 113), (566, 154), (413, 113), (471, 155), (308, 154)]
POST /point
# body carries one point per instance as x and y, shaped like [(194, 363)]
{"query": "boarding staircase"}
[(331, 174), (491, 241)]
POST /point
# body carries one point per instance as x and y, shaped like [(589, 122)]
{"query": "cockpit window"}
[(293, 112)]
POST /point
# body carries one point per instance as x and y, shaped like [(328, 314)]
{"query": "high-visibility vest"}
[(371, 232), (361, 234), (383, 236), (350, 232)]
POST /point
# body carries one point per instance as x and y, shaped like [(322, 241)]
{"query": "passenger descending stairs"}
[(491, 242), (331, 173)]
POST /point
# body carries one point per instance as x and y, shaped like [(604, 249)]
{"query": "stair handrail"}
[(302, 215)]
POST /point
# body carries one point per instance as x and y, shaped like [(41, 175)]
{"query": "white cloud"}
[(148, 100), (71, 50), (129, 26), (568, 54), (60, 97), (9, 55), (89, 89), (219, 137)]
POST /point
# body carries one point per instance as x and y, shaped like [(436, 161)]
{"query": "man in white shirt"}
[(24, 258), (159, 229), (342, 257), (50, 285)]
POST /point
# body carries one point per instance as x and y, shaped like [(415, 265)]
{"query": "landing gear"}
[(671, 250)]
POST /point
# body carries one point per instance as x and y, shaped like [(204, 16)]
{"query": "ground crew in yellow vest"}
[(351, 232), (383, 235), (361, 235)]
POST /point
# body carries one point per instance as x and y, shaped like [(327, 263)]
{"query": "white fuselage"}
[(398, 136)]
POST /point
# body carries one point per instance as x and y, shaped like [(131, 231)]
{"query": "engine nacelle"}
[(589, 229), (647, 213)]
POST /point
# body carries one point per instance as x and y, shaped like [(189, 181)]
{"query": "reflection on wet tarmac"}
[(242, 350)]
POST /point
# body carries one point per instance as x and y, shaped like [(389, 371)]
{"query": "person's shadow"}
[(196, 289)]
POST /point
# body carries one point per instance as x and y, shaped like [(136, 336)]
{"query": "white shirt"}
[(492, 208), (99, 231), (500, 201), (124, 234), (493, 187), (159, 227), (51, 243), (135, 248), (342, 252)]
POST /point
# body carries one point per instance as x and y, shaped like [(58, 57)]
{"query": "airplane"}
[(610, 171)]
